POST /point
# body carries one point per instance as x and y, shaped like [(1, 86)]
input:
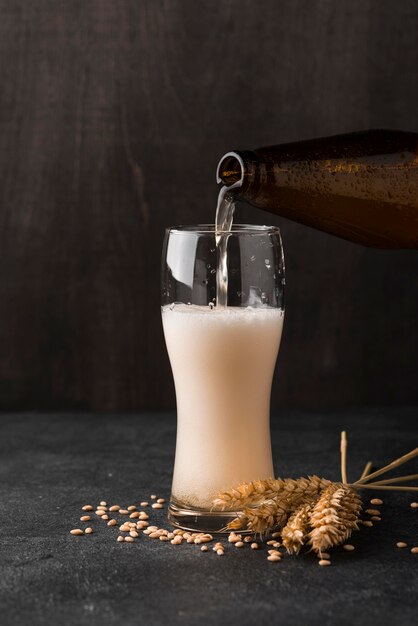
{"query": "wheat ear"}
[(334, 517), (259, 491), (296, 531), (263, 515)]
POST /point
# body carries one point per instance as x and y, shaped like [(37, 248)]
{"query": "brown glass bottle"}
[(359, 186)]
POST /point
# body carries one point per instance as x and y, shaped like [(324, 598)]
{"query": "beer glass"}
[(223, 360)]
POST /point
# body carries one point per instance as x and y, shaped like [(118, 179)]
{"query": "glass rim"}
[(236, 229)]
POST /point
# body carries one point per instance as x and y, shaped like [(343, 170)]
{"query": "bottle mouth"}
[(230, 170)]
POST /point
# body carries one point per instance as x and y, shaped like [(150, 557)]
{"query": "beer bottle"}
[(360, 186)]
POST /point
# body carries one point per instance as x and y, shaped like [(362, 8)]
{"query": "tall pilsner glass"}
[(223, 360)]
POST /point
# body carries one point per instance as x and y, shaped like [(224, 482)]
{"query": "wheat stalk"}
[(384, 487), (343, 450), (367, 469), (387, 468), (397, 479)]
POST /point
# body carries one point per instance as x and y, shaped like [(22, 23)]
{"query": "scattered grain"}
[(254, 546), (134, 515), (160, 501), (123, 511), (372, 511), (120, 538), (112, 522), (348, 547), (141, 525), (77, 531), (414, 550), (324, 555), (157, 506), (239, 544), (129, 539), (105, 517), (220, 552), (115, 507), (87, 507), (275, 552), (88, 530), (177, 540), (271, 542), (133, 533), (103, 503), (124, 528), (164, 538), (275, 535), (204, 548), (274, 558), (376, 518), (368, 523), (153, 497), (143, 516), (154, 535), (376, 501), (100, 513), (401, 544), (132, 507), (85, 518), (324, 562), (414, 505), (144, 503)]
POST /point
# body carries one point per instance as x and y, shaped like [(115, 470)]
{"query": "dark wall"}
[(113, 115)]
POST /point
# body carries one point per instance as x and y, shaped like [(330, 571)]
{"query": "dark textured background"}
[(113, 115)]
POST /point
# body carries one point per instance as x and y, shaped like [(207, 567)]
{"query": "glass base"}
[(199, 520)]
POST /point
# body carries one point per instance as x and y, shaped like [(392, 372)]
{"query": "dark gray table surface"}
[(52, 464)]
